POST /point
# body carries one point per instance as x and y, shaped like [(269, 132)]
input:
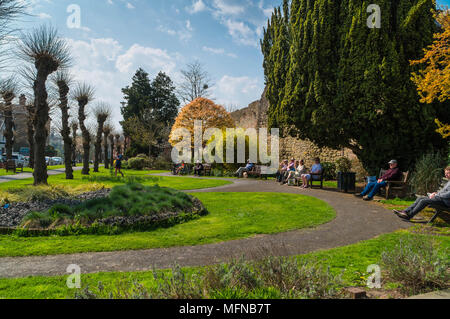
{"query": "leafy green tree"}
[(343, 84), (149, 112)]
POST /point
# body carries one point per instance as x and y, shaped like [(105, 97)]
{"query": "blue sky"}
[(118, 36)]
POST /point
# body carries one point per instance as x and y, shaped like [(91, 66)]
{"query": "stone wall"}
[(255, 116)]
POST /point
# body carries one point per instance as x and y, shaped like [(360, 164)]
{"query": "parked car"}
[(18, 158), (55, 161)]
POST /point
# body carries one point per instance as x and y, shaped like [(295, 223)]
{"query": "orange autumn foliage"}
[(205, 110), (433, 82)]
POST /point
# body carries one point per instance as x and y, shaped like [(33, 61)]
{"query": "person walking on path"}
[(119, 165), (441, 198)]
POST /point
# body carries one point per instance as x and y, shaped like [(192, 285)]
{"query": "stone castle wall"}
[(255, 116)]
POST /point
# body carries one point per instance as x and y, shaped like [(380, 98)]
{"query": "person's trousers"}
[(373, 188), (198, 171), (241, 171), (421, 204)]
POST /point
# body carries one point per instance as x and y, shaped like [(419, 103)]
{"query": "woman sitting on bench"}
[(441, 198)]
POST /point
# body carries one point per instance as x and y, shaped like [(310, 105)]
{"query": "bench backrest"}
[(11, 163), (404, 179)]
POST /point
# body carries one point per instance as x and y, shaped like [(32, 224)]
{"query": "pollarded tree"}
[(107, 129), (102, 112), (74, 127), (49, 53), (62, 80), (118, 146), (83, 94), (8, 91), (111, 145)]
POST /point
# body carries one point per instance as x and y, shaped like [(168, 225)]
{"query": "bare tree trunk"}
[(41, 133), (105, 149), (9, 124), (30, 127), (111, 141), (86, 137), (65, 132), (98, 146), (119, 149), (74, 143)]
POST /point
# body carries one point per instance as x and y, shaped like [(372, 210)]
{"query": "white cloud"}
[(130, 6), (236, 91), (197, 6), (150, 59), (44, 16), (241, 33), (219, 52), (222, 8)]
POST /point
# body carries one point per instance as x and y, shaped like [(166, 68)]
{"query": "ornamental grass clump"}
[(128, 207), (418, 265)]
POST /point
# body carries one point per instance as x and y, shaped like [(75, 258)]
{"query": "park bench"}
[(439, 211), (255, 172), (398, 187), (11, 166), (319, 179), (207, 170)]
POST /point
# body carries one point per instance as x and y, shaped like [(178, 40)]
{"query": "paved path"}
[(444, 294), (20, 176), (356, 220)]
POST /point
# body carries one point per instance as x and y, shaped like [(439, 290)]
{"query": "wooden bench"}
[(207, 170), (399, 187), (439, 211), (11, 166), (255, 172), (319, 179)]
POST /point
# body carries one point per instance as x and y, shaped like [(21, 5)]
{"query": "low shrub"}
[(138, 163), (50, 192), (359, 169), (418, 265), (130, 207), (161, 163), (428, 173), (343, 165), (274, 277), (329, 171)]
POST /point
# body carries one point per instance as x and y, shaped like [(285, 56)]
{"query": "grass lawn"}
[(28, 170), (232, 216), (179, 183), (352, 260)]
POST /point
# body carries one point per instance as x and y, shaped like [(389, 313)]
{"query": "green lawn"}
[(232, 216), (352, 260), (28, 170), (179, 183)]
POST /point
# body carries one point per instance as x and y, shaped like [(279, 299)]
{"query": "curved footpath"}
[(356, 221)]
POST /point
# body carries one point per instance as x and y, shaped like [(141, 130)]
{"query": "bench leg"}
[(435, 216)]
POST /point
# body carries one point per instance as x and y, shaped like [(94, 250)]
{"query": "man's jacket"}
[(444, 194)]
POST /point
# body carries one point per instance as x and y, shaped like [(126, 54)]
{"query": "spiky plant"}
[(62, 80), (83, 94), (8, 91), (74, 127), (102, 113), (107, 129), (49, 53)]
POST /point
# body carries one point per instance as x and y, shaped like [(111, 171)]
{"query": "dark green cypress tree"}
[(347, 85)]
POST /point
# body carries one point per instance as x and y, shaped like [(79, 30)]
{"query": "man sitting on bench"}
[(240, 172), (441, 198)]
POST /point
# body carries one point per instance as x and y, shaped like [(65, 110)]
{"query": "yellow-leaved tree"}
[(433, 82), (201, 109)]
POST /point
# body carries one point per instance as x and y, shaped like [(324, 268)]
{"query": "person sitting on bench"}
[(393, 174), (282, 170), (240, 172), (441, 198), (316, 170), (198, 169), (180, 168)]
